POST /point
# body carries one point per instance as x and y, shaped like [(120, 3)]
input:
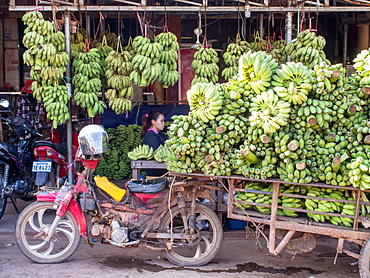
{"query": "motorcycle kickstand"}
[(14, 205)]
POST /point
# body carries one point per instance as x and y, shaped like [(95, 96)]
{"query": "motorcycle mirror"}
[(4, 103)]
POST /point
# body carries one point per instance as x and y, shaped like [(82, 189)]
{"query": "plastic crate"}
[(235, 224)]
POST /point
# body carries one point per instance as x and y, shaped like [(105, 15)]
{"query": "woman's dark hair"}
[(146, 121)]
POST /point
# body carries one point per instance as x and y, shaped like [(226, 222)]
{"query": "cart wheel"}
[(364, 261)]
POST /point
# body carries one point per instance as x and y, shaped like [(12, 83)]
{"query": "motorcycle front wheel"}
[(32, 228), (208, 239)]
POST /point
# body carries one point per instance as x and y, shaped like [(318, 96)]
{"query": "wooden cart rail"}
[(355, 234)]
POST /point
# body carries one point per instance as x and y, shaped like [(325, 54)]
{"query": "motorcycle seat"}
[(9, 148), (56, 146), (147, 186)]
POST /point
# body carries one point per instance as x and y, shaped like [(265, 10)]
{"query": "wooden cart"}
[(356, 234)]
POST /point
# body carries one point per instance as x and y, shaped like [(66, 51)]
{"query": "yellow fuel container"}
[(113, 190)]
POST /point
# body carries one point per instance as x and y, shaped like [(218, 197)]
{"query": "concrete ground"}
[(238, 257)]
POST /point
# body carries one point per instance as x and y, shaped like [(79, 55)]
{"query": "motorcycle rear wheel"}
[(32, 228), (3, 198), (204, 248)]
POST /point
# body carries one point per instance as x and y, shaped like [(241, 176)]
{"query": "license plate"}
[(41, 166)]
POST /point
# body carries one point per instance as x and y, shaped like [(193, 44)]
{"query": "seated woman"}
[(153, 124)]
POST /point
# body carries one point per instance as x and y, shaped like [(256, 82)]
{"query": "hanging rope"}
[(101, 18)]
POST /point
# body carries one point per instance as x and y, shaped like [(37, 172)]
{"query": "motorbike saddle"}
[(56, 146), (9, 148), (147, 186)]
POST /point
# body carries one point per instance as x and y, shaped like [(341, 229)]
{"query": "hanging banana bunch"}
[(78, 41), (105, 49), (308, 49), (145, 62), (48, 60), (277, 50), (168, 59), (109, 38), (231, 57), (119, 67), (205, 65), (86, 81)]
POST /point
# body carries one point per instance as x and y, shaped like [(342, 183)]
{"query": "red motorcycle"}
[(158, 217), (51, 165)]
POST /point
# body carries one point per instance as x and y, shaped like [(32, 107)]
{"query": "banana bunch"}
[(259, 44), (205, 65), (316, 112), (292, 82), (162, 153), (289, 202), (146, 68), (141, 152), (361, 64), (327, 79), (58, 39), (36, 22), (104, 52), (86, 81), (236, 99), (294, 171), (119, 67), (268, 112), (231, 57), (55, 99), (257, 69), (78, 41), (205, 101), (307, 49), (108, 38), (277, 50), (250, 196), (48, 60), (168, 58), (359, 172)]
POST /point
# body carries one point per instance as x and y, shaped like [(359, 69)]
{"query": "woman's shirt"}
[(154, 139)]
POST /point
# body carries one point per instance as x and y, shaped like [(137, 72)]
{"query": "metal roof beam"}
[(191, 9)]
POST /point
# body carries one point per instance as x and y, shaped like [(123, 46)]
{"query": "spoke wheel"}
[(32, 228), (206, 242), (364, 261), (3, 198)]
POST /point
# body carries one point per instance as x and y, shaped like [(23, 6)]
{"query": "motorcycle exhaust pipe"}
[(8, 190)]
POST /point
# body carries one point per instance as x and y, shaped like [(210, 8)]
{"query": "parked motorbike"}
[(16, 179), (53, 152), (147, 214)]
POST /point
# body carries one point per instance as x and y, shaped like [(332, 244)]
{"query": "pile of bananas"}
[(250, 196), (116, 164), (205, 101), (257, 69), (292, 82), (119, 67), (168, 59), (268, 112), (141, 152), (231, 57), (205, 65), (86, 81), (289, 202), (146, 68), (78, 41), (307, 49), (48, 60), (162, 153)]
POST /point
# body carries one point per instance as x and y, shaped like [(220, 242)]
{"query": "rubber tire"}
[(217, 228), (3, 200), (364, 261), (31, 209)]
